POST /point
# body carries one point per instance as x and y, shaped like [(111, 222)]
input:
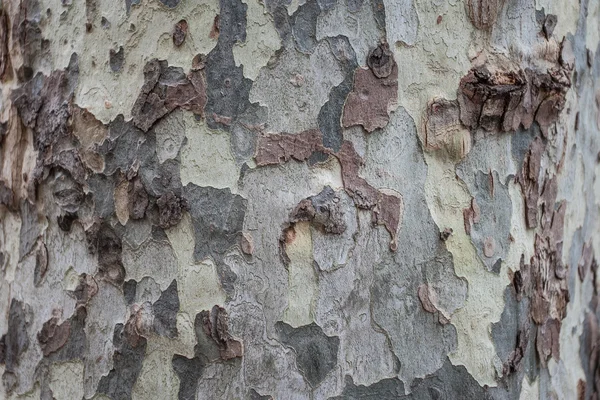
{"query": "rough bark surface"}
[(316, 199)]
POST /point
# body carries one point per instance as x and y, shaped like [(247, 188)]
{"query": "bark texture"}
[(300, 199)]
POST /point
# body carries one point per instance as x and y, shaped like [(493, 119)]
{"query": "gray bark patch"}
[(165, 312), (127, 364), (316, 353), (116, 59), (385, 389), (188, 371), (217, 216)]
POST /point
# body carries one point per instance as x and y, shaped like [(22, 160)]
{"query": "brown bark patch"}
[(443, 129), (371, 99), (53, 336), (5, 65), (278, 148), (504, 99), (483, 13), (180, 32), (215, 326), (529, 179)]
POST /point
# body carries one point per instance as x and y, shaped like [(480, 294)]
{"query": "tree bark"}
[(301, 199)]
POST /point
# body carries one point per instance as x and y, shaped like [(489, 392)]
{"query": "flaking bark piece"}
[(5, 64), (180, 32), (53, 335), (529, 179), (381, 61), (215, 326), (324, 210), (502, 100), (166, 88)]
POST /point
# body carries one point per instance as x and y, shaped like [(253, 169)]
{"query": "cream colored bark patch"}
[(153, 258), (435, 64), (592, 37), (66, 380), (446, 198), (199, 288), (11, 224), (198, 284), (302, 277), (567, 12), (530, 391), (206, 159), (157, 380), (262, 40)]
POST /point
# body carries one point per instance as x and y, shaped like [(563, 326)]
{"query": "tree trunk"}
[(300, 199)]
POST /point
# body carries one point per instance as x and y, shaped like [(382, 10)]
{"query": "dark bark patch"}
[(529, 179), (324, 210), (16, 340), (331, 113), (450, 381), (116, 59), (304, 26), (41, 264), (165, 312), (254, 395), (217, 217), (188, 371), (166, 88), (227, 88), (215, 326), (85, 290), (91, 12), (65, 222), (26, 32), (170, 209), (127, 364), (53, 335), (170, 3), (109, 249), (7, 196), (44, 105), (180, 32), (381, 61), (316, 353), (549, 25), (5, 64), (138, 199), (548, 340), (30, 228)]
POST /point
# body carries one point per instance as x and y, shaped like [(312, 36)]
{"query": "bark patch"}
[(374, 92), (215, 325)]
